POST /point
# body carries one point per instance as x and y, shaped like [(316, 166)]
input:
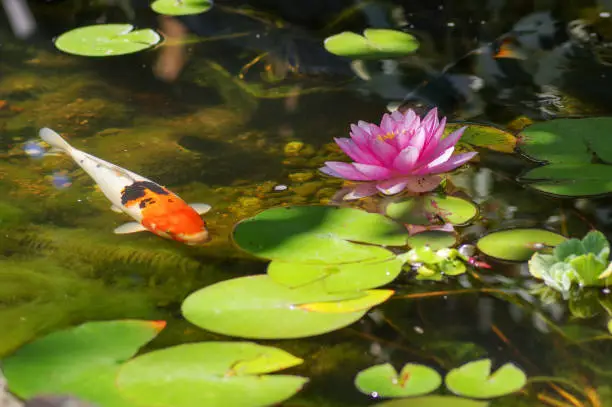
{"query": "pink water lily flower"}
[(404, 152)]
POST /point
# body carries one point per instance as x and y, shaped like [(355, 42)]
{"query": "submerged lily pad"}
[(81, 361), (212, 374), (104, 40), (383, 380), (570, 180), (426, 209), (319, 235), (181, 7), (485, 136), (475, 380), (433, 401), (375, 43), (336, 277), (257, 307), (517, 244), (435, 239), (568, 141)]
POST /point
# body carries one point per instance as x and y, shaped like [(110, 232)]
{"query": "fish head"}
[(184, 226)]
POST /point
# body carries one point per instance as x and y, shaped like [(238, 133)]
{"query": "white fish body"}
[(111, 178)]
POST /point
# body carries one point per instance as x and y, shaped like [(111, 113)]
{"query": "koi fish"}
[(153, 207)]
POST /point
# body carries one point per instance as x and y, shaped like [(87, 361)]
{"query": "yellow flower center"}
[(388, 136)]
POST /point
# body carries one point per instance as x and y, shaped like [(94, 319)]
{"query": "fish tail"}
[(54, 140)]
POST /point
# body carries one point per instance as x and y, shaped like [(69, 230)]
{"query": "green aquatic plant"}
[(568, 148), (319, 234), (473, 379), (257, 307), (434, 265), (105, 40), (95, 362), (375, 43), (216, 374), (181, 7), (575, 262), (518, 244), (429, 208)]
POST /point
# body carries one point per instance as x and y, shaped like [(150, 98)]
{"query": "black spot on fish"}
[(143, 204), (138, 189)]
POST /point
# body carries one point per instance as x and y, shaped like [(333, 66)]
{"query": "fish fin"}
[(116, 209), (130, 227), (54, 140), (200, 208)]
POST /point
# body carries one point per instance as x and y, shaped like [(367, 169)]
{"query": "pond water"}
[(239, 109)]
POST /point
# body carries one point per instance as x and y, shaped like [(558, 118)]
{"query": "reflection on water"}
[(239, 109)]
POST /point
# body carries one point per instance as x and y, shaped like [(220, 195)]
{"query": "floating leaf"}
[(336, 277), (81, 361), (435, 239), (106, 40), (319, 235), (212, 374), (181, 7), (570, 180), (475, 380), (610, 326), (375, 43), (369, 300), (383, 380), (257, 307), (568, 141), (433, 401), (424, 210), (485, 136), (517, 244)]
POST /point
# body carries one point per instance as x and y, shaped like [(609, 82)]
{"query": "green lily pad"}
[(257, 307), (336, 277), (433, 401), (571, 180), (370, 299), (81, 361), (212, 374), (517, 244), (375, 43), (383, 380), (425, 209), (435, 239), (485, 136), (319, 235), (475, 380), (568, 141), (181, 7), (105, 40)]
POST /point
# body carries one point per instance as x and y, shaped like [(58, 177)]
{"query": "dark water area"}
[(245, 99)]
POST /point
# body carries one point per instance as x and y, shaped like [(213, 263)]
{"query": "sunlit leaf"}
[(568, 141), (81, 361), (212, 374), (375, 43), (485, 136), (570, 180), (383, 380), (517, 244), (435, 239), (106, 40), (319, 235), (181, 7), (610, 326), (476, 380), (369, 300), (426, 209), (432, 401), (336, 277), (257, 307)]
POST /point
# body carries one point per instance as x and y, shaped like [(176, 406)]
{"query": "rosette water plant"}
[(575, 262), (403, 153)]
